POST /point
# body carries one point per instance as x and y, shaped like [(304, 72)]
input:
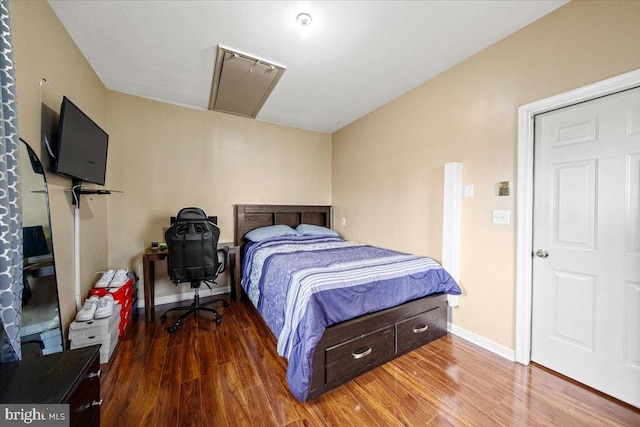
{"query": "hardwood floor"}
[(231, 375)]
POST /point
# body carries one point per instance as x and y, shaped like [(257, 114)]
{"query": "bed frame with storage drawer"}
[(353, 347)]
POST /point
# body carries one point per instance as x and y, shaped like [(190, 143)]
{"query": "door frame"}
[(524, 204)]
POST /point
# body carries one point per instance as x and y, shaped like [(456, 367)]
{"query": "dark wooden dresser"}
[(71, 377)]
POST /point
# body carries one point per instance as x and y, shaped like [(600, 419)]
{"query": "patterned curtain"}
[(10, 200)]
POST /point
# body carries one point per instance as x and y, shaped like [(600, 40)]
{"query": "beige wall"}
[(388, 166), (43, 49), (163, 157), (166, 157)]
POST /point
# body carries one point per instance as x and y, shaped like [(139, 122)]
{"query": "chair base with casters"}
[(194, 308)]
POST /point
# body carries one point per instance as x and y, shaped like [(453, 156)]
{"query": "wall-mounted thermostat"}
[(503, 188)]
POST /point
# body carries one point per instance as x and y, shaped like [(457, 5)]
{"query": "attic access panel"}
[(242, 83)]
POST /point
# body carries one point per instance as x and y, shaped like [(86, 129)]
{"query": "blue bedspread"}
[(302, 285)]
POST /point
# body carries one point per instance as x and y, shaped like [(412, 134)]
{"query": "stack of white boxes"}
[(100, 331)]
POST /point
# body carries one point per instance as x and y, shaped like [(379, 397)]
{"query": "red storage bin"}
[(123, 296), (125, 318), (120, 295)]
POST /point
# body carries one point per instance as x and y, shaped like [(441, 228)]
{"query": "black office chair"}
[(192, 243)]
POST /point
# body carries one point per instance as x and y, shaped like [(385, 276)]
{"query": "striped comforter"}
[(302, 285)]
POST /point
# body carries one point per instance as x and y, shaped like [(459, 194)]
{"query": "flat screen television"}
[(81, 146)]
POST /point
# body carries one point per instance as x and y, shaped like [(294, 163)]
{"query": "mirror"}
[(40, 328)]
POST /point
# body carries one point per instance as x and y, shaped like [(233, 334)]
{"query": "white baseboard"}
[(493, 347), (186, 296)]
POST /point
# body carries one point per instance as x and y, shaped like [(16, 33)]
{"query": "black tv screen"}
[(81, 150), (34, 241)]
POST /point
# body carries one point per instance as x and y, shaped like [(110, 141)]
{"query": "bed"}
[(396, 302)]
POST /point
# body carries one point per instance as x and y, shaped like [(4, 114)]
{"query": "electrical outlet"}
[(468, 191), (501, 217)]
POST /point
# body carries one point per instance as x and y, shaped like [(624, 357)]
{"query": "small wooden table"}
[(148, 270)]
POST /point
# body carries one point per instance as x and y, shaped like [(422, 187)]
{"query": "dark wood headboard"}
[(250, 217)]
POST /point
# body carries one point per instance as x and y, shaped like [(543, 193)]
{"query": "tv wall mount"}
[(77, 190)]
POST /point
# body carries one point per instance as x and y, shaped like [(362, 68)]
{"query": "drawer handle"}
[(95, 374), (420, 329), (362, 354), (91, 405)]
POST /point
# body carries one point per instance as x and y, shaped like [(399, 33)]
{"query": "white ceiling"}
[(358, 55)]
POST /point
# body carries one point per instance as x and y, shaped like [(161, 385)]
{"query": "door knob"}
[(542, 253)]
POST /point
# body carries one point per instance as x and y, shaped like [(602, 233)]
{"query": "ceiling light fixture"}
[(304, 21)]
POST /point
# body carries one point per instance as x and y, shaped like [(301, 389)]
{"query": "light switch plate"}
[(501, 217), (468, 191)]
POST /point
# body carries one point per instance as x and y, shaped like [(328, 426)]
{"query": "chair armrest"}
[(225, 259)]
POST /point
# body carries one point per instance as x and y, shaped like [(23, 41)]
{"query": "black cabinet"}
[(71, 377)]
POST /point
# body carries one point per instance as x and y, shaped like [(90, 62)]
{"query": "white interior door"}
[(586, 237)]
